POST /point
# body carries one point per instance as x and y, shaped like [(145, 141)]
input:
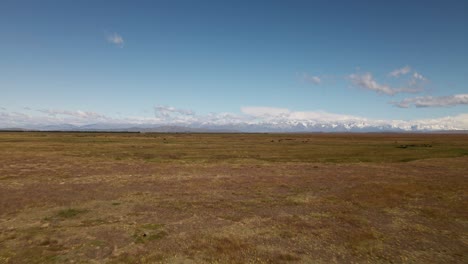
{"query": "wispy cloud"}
[(398, 72), (417, 80), (311, 79), (78, 113), (167, 111), (433, 101), (3, 108), (115, 39), (171, 114), (367, 81), (418, 76)]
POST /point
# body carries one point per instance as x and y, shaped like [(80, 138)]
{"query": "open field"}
[(233, 198)]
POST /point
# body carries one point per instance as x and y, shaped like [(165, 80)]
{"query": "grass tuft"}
[(70, 213)]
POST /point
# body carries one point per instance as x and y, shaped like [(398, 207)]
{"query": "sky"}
[(186, 62)]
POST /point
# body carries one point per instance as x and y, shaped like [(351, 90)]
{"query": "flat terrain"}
[(233, 198)]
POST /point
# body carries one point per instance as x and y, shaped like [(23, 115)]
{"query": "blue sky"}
[(121, 59)]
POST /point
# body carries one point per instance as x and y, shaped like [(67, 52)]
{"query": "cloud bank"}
[(251, 119), (433, 101)]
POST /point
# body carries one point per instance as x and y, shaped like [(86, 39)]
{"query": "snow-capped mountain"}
[(290, 126)]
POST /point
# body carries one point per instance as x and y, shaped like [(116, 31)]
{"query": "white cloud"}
[(433, 101), (78, 113), (116, 39), (417, 80), (167, 111), (284, 114), (402, 71), (311, 79), (264, 112), (458, 122), (367, 81), (418, 76)]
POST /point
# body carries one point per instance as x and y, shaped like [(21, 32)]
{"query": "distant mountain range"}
[(282, 127)]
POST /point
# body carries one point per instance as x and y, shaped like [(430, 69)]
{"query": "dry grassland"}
[(233, 198)]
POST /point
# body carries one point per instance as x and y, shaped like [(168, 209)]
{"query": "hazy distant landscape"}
[(233, 198), (245, 128)]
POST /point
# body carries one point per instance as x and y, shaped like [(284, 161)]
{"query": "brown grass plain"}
[(233, 198)]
